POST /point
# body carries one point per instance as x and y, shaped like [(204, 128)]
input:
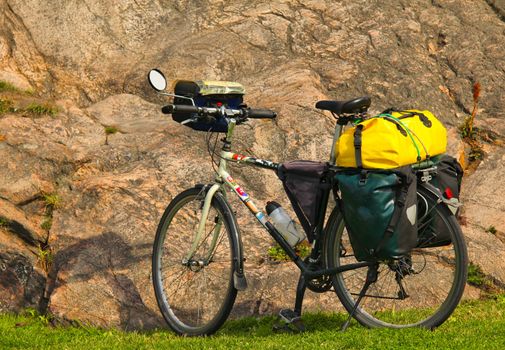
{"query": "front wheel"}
[(421, 289), (195, 292)]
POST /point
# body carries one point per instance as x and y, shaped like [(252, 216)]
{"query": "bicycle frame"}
[(224, 178), (182, 291)]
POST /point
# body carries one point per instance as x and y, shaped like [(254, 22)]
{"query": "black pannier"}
[(305, 182), (380, 211), (447, 178), (207, 94)]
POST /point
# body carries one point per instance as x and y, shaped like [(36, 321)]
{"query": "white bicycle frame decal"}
[(223, 177)]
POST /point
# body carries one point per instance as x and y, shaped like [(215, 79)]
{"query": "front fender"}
[(239, 279)]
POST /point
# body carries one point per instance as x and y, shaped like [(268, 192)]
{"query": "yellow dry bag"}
[(391, 140)]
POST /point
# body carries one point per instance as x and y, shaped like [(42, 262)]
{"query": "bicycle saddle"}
[(355, 105)]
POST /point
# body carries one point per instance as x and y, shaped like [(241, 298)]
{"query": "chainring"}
[(320, 284)]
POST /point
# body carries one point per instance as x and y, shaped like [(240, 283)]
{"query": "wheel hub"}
[(194, 265)]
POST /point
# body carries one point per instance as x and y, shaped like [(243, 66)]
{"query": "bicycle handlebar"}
[(260, 113), (212, 111)]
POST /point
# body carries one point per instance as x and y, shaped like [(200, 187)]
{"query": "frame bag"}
[(380, 211), (305, 183)]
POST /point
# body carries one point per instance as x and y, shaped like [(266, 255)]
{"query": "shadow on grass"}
[(262, 327)]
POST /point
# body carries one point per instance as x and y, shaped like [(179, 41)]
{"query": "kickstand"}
[(371, 277)]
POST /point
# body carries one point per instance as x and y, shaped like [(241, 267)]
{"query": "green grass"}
[(476, 277), (52, 200), (6, 106), (276, 253), (41, 109), (474, 325), (6, 86)]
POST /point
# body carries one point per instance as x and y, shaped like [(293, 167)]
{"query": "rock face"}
[(93, 262)]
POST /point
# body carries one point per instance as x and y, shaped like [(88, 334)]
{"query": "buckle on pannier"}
[(363, 177)]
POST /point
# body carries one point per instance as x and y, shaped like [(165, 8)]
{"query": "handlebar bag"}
[(447, 178), (305, 182), (391, 140), (380, 211), (207, 93)]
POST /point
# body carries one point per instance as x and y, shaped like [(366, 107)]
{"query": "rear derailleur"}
[(402, 268)]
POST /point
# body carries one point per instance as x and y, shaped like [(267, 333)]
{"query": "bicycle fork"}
[(201, 226), (239, 280)]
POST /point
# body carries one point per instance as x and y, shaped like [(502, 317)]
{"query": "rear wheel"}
[(195, 293), (421, 289)]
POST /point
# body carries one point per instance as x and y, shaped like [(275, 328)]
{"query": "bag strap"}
[(407, 114), (358, 141), (422, 117), (401, 199)]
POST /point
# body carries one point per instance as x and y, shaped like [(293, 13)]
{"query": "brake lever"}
[(189, 120)]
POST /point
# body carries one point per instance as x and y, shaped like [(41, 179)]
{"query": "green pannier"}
[(380, 211)]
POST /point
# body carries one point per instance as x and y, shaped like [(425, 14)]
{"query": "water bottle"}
[(284, 224)]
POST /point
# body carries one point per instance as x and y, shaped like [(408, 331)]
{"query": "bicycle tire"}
[(195, 299), (424, 304)]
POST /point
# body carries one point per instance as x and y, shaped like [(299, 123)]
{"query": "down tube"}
[(244, 197)]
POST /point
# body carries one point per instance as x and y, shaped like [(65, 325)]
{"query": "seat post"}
[(336, 136)]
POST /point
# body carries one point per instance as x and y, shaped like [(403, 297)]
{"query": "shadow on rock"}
[(97, 281), (21, 285)]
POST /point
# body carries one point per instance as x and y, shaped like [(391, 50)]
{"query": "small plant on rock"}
[(6, 106), (492, 230), (3, 221), (52, 200), (47, 223), (468, 132), (41, 109), (6, 86), (276, 253), (109, 130), (476, 277), (45, 257)]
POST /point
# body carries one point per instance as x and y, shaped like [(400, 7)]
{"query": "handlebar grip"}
[(261, 113), (169, 109)]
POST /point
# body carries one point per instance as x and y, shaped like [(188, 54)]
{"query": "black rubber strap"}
[(399, 126), (357, 145), (401, 198), (422, 117)]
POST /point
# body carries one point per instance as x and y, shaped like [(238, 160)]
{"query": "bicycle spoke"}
[(179, 271), (198, 294), (423, 281)]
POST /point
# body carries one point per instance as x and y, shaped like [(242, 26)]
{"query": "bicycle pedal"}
[(289, 321), (288, 315)]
